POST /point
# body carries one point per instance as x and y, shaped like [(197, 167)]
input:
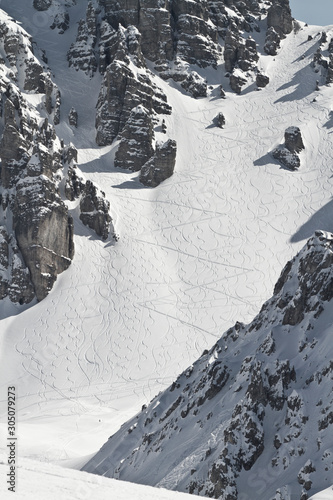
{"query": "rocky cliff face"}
[(117, 38), (35, 225), (161, 165), (248, 418), (322, 61)]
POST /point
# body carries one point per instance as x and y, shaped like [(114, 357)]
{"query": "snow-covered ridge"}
[(260, 398), (39, 481)]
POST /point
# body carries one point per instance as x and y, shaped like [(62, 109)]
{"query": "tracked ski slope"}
[(49, 481), (195, 254)]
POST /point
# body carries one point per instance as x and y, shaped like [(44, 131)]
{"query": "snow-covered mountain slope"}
[(40, 480), (194, 255), (324, 495), (254, 414)]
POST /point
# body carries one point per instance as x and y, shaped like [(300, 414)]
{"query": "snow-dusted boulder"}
[(286, 157), (293, 139), (220, 120), (237, 80), (42, 5), (262, 80), (287, 154)]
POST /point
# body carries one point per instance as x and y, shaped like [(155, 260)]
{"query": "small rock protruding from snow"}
[(73, 117), (220, 120), (262, 80), (237, 80), (222, 92), (287, 154), (293, 139)]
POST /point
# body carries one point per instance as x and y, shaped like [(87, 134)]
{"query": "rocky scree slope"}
[(36, 227), (253, 416)]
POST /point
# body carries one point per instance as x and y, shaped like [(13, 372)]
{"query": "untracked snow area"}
[(43, 481), (324, 495), (195, 254)]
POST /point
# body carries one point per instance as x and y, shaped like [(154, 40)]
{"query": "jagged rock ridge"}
[(116, 38), (36, 227), (258, 404)]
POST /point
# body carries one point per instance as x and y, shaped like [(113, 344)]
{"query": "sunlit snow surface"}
[(43, 481), (195, 254), (324, 495)]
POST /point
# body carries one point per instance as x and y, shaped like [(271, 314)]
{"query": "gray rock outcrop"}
[(196, 37), (288, 159), (57, 12), (272, 42), (329, 76), (247, 55), (220, 120), (82, 55), (237, 80), (60, 22), (189, 80), (232, 42), (279, 17), (36, 229), (262, 80), (159, 21), (94, 210), (42, 5), (293, 139), (93, 207), (43, 230), (75, 183), (121, 91), (161, 166), (287, 154), (15, 281), (239, 54), (19, 53), (72, 117), (135, 147)]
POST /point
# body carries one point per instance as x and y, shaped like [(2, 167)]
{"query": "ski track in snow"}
[(195, 254)]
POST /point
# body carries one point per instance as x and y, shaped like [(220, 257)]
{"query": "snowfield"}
[(194, 255), (42, 480), (324, 495)]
